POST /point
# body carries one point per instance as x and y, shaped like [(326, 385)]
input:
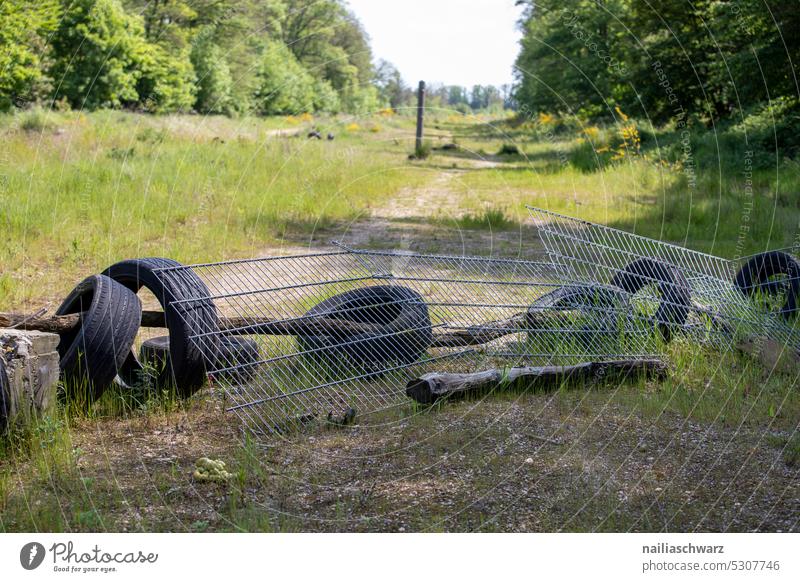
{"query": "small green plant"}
[(492, 218), (422, 152)]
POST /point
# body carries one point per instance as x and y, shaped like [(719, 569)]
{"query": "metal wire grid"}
[(519, 311), (592, 253)]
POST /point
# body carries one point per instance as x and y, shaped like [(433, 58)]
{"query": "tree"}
[(570, 58), (95, 54), (166, 82), (390, 84), (214, 83), (24, 26), (284, 85)]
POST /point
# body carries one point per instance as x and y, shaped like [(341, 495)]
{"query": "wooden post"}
[(420, 116)]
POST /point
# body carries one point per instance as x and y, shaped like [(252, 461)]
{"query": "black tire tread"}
[(403, 340), (96, 351), (754, 274), (188, 362)]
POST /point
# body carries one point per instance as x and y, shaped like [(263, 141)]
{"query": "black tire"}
[(754, 277), (95, 351), (154, 354), (232, 351), (404, 329), (602, 305), (5, 397), (188, 358), (240, 353), (581, 296), (673, 289)]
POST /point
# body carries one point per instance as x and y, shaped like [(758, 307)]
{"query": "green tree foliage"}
[(570, 57), (214, 82), (326, 99), (166, 81), (216, 56), (709, 59), (284, 85), (24, 26), (95, 50)]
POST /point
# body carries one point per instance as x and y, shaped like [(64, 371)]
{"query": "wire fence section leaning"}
[(677, 288), (321, 337)]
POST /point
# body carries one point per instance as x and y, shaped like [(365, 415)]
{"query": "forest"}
[(267, 57), (674, 64)]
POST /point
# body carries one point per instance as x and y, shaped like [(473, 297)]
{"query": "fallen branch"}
[(431, 387), (470, 336), (232, 325)]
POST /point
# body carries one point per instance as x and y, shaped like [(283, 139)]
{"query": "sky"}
[(456, 42)]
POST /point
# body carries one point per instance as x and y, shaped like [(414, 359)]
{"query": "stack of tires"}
[(100, 349)]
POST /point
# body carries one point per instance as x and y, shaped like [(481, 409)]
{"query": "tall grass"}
[(113, 185), (709, 191)]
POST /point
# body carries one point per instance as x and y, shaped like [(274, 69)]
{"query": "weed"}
[(422, 151)]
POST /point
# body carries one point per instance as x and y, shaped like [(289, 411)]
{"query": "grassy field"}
[(714, 447), (83, 191)]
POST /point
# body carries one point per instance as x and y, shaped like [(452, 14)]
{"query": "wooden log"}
[(483, 334), (234, 325), (480, 334), (431, 387)]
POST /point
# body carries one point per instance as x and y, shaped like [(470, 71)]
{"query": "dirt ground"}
[(584, 459)]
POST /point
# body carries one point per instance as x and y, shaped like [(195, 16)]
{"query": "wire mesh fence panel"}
[(319, 337), (678, 288)]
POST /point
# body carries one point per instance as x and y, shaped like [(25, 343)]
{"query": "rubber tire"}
[(188, 360), (576, 296), (5, 397), (396, 309), (754, 275), (232, 350), (676, 295), (238, 351), (96, 350), (580, 295)]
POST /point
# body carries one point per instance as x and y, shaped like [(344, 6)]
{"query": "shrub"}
[(422, 152), (35, 121)]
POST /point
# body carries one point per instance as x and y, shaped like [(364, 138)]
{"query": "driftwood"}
[(429, 388), (480, 334)]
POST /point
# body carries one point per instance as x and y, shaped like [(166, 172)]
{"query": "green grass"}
[(80, 192), (737, 201)]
